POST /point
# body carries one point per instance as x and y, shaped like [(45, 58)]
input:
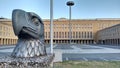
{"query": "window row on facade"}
[(77, 26), (80, 41), (77, 35), (5, 28), (4, 33), (68, 27)]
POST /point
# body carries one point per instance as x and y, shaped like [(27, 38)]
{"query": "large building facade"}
[(83, 31), (109, 36), (6, 32)]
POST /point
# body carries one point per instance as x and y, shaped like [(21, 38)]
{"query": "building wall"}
[(6, 32), (83, 31), (110, 35)]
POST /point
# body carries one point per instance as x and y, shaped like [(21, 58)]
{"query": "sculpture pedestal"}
[(33, 62)]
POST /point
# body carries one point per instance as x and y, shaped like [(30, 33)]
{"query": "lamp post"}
[(70, 3), (51, 26)]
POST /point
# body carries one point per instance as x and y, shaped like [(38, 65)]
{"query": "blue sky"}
[(83, 9)]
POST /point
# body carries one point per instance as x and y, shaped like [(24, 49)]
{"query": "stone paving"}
[(65, 52), (89, 52)]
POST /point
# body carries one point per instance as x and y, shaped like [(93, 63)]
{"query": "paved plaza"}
[(87, 52), (77, 52)]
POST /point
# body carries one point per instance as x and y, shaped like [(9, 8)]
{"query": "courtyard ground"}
[(79, 55)]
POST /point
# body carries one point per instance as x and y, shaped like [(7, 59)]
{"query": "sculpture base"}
[(29, 48), (34, 62)]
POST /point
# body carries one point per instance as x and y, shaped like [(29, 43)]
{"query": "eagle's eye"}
[(36, 21)]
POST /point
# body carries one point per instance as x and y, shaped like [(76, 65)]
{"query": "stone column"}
[(1, 41), (7, 41), (118, 41), (112, 41), (14, 41), (10, 41)]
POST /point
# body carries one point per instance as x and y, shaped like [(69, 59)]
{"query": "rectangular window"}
[(85, 35), (79, 35), (90, 34), (54, 35), (82, 35), (76, 34), (68, 35), (59, 34), (62, 34), (73, 34), (65, 35), (48, 34)]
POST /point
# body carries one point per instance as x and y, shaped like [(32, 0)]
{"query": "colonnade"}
[(7, 41), (73, 41), (110, 41)]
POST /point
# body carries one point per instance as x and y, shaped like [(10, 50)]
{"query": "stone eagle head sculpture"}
[(29, 28)]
